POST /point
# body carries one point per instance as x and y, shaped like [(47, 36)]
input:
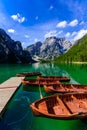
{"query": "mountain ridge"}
[(50, 48), (11, 51)]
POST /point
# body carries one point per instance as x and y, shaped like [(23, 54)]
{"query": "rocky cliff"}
[(50, 48), (11, 51)]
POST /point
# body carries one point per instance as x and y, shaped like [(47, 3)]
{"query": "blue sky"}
[(30, 21)]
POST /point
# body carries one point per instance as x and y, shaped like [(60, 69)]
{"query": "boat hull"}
[(65, 88), (39, 82), (26, 74), (61, 107), (59, 78)]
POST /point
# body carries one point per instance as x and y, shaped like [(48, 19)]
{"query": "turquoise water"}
[(19, 115)]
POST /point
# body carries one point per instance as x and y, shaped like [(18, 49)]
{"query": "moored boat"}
[(65, 106), (64, 88), (59, 78), (36, 82), (26, 74)]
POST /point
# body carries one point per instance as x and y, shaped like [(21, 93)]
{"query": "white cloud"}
[(81, 23), (73, 23), (51, 33), (60, 32), (35, 40), (11, 30), (18, 18), (62, 24), (26, 36), (80, 34), (73, 34), (51, 7), (77, 8), (67, 34)]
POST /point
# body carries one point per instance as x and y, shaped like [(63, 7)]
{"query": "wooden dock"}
[(7, 90)]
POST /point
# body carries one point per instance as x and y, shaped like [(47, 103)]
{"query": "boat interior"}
[(67, 87), (64, 104)]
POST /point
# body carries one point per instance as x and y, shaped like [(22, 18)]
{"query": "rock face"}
[(50, 48), (11, 51), (35, 48)]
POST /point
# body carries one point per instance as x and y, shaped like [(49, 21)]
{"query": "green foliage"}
[(45, 61), (78, 53)]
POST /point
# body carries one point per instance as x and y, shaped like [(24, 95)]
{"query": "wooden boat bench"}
[(75, 104), (60, 109)]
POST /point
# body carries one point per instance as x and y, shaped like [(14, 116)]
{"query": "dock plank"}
[(7, 89), (5, 95), (11, 82)]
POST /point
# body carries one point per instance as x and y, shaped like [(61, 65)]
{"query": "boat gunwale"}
[(59, 78), (49, 88), (67, 117), (27, 74), (37, 82)]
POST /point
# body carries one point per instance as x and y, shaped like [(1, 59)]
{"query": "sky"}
[(29, 21)]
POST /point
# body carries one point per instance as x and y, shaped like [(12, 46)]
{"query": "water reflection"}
[(19, 115)]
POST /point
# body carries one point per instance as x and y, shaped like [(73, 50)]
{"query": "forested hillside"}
[(78, 53)]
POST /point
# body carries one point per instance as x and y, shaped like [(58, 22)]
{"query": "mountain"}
[(11, 51), (35, 48), (50, 48), (78, 53)]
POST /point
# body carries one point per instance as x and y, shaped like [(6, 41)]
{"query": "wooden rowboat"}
[(59, 78), (36, 82), (64, 88), (26, 74), (65, 106)]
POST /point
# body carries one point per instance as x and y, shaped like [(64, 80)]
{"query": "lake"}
[(19, 115)]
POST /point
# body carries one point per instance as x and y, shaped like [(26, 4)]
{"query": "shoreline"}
[(74, 62), (79, 62)]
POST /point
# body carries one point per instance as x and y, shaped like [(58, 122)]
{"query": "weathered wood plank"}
[(7, 89), (12, 82)]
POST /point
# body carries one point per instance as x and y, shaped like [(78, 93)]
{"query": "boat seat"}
[(50, 104), (58, 110), (43, 107), (76, 103)]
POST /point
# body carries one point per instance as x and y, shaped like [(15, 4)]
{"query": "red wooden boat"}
[(59, 78), (65, 106), (36, 82), (26, 74), (63, 88)]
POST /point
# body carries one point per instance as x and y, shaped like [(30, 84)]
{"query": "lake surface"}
[(19, 115)]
